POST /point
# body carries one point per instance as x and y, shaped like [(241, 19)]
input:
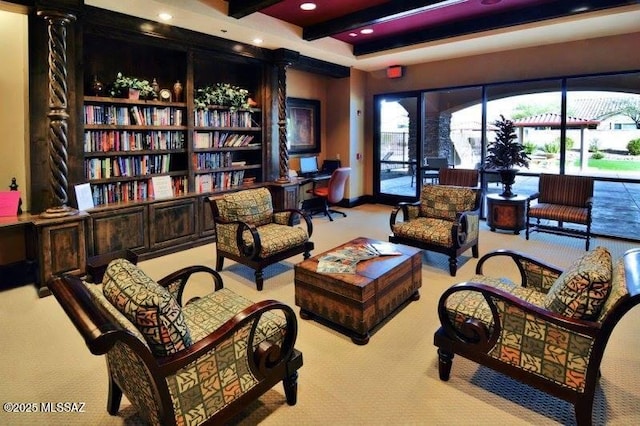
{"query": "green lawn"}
[(615, 165)]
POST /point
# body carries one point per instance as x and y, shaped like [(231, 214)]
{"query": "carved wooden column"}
[(284, 59), (58, 110)]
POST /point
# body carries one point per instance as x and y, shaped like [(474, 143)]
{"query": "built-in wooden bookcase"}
[(227, 143), (127, 142)]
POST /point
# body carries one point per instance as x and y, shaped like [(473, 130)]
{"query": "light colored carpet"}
[(392, 380)]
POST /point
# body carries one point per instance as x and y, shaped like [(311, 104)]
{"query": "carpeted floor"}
[(391, 381)]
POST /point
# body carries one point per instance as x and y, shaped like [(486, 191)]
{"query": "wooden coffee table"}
[(356, 303)]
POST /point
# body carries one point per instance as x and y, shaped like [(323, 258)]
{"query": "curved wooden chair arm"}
[(476, 333), (302, 214), (261, 359), (519, 259), (96, 326), (178, 280), (460, 228), (403, 205), (533, 196)]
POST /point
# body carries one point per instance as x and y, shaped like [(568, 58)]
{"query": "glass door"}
[(397, 125)]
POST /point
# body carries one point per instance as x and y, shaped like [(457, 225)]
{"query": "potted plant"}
[(505, 153), (133, 87), (222, 94)]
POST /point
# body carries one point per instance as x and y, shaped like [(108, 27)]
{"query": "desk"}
[(287, 195), (506, 213)]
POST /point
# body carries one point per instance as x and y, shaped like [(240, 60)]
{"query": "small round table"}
[(506, 213)]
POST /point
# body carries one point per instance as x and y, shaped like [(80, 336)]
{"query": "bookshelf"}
[(227, 148), (127, 142)]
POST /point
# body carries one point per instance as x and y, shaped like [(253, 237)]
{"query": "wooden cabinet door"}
[(172, 222), (120, 229)]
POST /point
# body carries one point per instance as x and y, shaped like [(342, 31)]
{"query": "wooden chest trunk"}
[(358, 302)]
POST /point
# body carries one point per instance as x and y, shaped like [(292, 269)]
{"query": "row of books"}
[(113, 140), (212, 160), (218, 181), (224, 118), (139, 190), (104, 168), (133, 115), (219, 139)]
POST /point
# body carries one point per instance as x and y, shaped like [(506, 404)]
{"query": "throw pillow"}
[(581, 290), (149, 306)]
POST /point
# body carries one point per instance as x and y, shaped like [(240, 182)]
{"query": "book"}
[(385, 249)]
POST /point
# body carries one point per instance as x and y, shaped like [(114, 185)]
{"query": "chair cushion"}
[(560, 212), (444, 201), (581, 290), (426, 229), (252, 206), (149, 306), (276, 238)]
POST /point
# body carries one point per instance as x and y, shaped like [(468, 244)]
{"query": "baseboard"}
[(17, 274)]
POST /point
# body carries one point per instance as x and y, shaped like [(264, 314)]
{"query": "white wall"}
[(14, 95)]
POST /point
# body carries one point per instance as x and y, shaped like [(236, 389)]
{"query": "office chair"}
[(332, 193)]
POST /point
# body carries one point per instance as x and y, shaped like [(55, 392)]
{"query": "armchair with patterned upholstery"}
[(445, 219), (561, 198), (249, 231), (549, 330), (181, 363), (459, 177)]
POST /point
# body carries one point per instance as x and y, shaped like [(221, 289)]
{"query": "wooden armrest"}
[(302, 214), (403, 205), (261, 359), (476, 333), (181, 277), (519, 259), (97, 328)]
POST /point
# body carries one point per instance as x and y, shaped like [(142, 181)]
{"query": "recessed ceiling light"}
[(308, 6), (353, 34), (366, 31), (165, 16), (257, 40)]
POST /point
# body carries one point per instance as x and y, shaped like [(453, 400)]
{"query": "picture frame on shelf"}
[(303, 125)]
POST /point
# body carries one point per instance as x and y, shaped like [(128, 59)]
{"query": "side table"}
[(506, 213)]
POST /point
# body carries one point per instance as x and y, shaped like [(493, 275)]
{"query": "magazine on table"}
[(345, 260)]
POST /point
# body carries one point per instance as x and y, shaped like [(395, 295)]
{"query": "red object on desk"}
[(9, 201)]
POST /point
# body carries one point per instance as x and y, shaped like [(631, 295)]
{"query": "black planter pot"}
[(507, 177)]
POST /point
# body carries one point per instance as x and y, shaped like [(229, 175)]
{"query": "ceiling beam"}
[(495, 21), (364, 17), (241, 8)]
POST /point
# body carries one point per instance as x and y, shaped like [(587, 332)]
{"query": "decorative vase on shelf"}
[(97, 88), (177, 91), (134, 94), (156, 88)]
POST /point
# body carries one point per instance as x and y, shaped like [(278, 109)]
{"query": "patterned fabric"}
[(150, 307), (547, 350), (463, 305), (618, 288), (458, 177), (281, 218), (582, 289), (253, 206), (443, 201), (132, 376), (216, 379), (565, 189), (226, 238), (276, 238), (427, 229), (537, 277), (559, 212), (98, 297)]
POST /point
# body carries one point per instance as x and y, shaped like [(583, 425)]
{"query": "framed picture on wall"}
[(303, 125)]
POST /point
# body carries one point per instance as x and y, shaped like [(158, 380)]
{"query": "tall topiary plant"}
[(506, 153)]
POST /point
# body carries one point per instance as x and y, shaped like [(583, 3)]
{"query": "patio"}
[(616, 206)]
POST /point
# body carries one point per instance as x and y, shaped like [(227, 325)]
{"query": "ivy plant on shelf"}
[(222, 94), (123, 84)]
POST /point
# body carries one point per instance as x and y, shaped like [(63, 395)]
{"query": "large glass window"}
[(587, 125)]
